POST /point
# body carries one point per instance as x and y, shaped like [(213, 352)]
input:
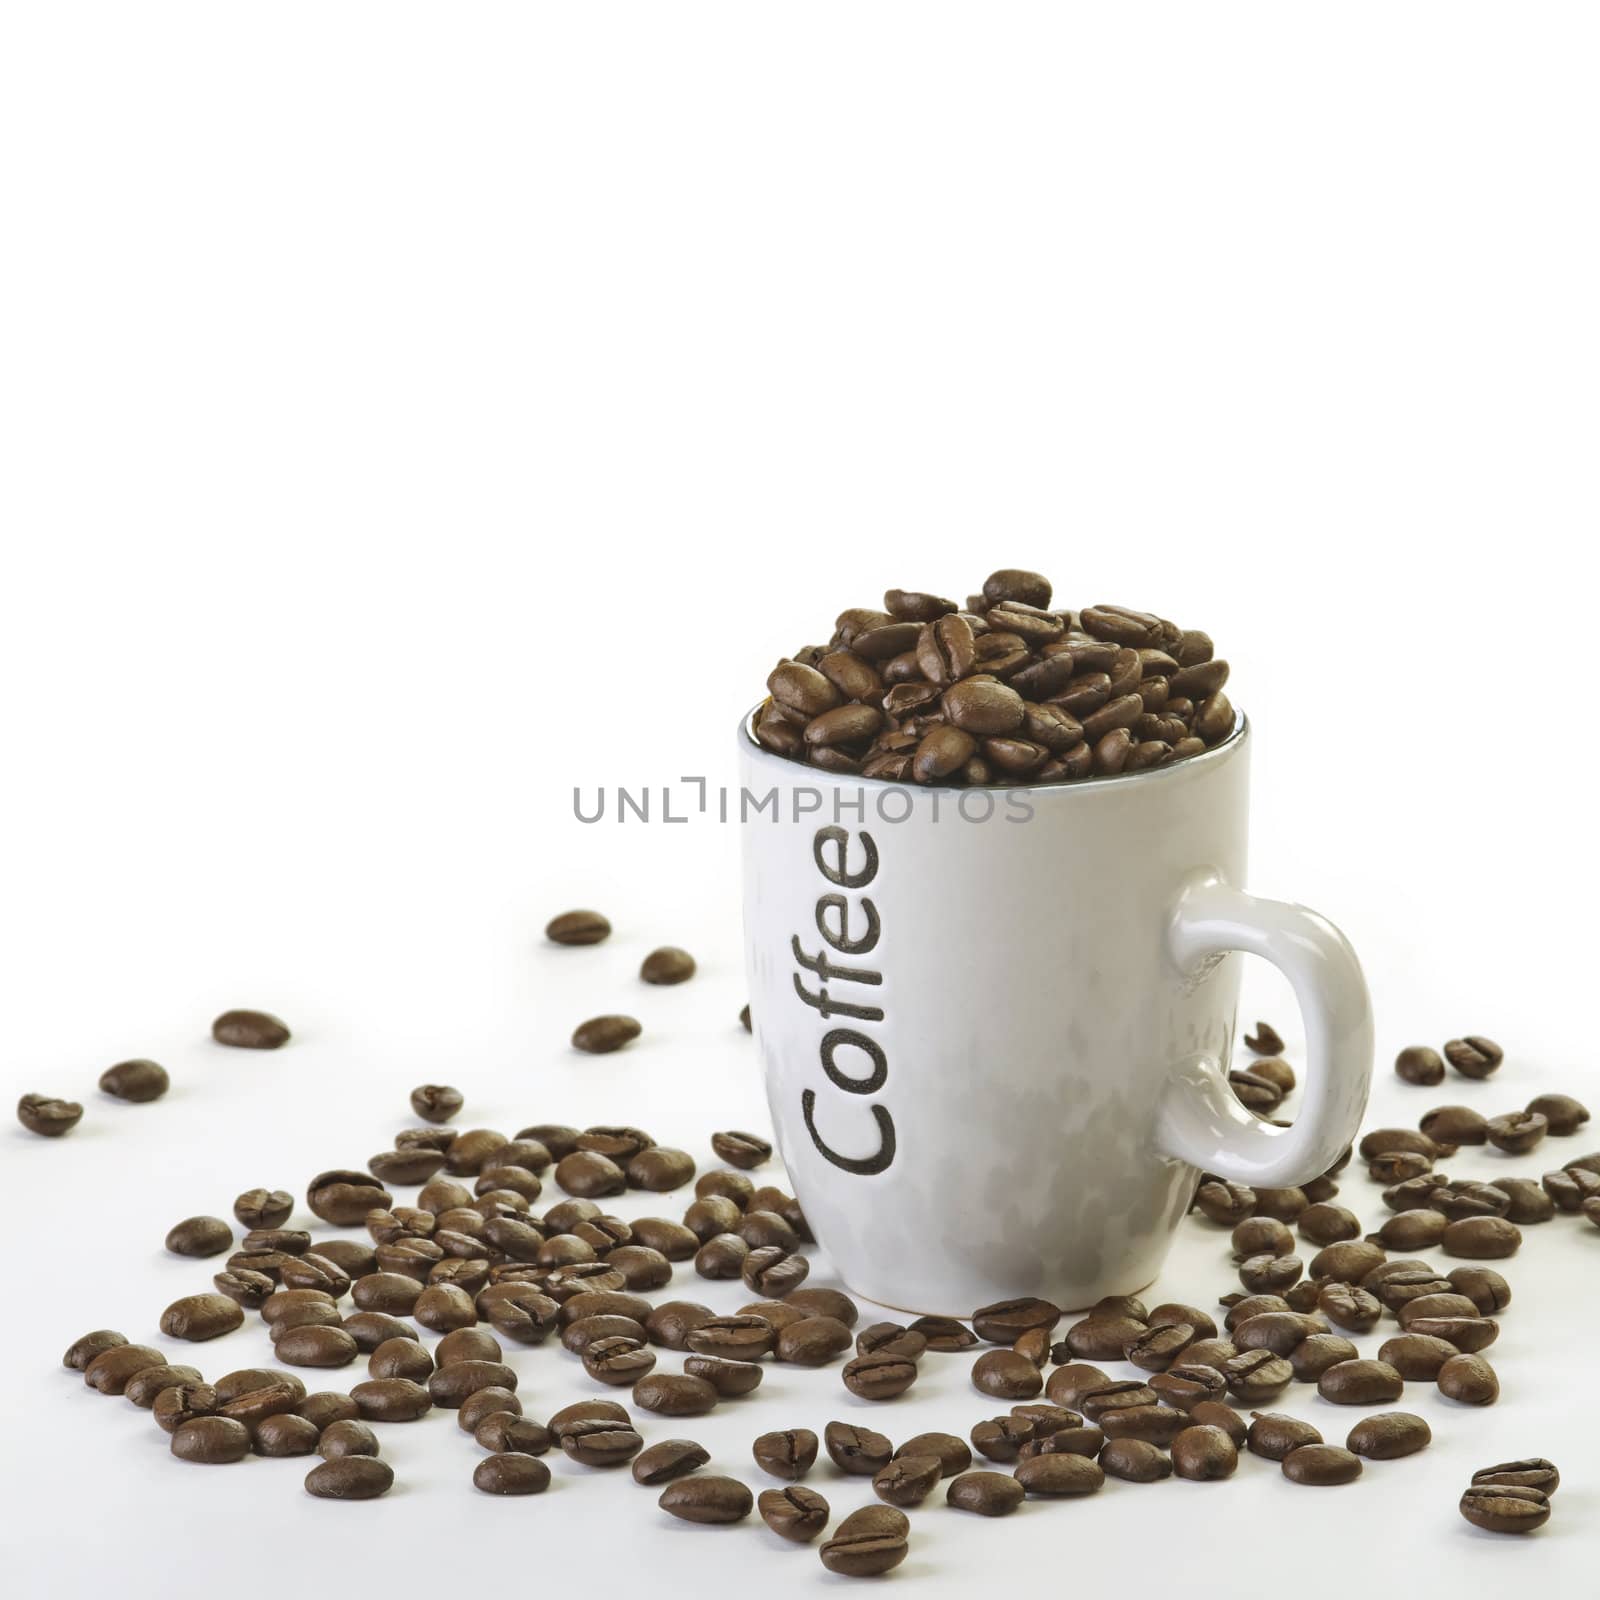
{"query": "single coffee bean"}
[(1114, 1396), (1284, 1204), (743, 1150), (344, 1196), (1481, 1238), (1420, 1064), (1005, 1375), (1134, 1461), (1274, 1435), (347, 1436), (1316, 1353), (350, 1478), (1214, 1414), (1470, 1380), (1277, 1331), (858, 1451), (47, 1116), (883, 1377), (285, 1434), (84, 1350), (511, 1473), (1266, 1040), (812, 1341), (906, 1480), (601, 1035), (599, 1442), (1322, 1465), (817, 1302), (233, 1386), (1103, 1338), (1261, 1236), (1005, 1320), (211, 1440), (182, 1403), (1412, 1230), (1349, 1307), (737, 1338), (1530, 1203), (145, 1387), (1257, 1375), (796, 1514), (892, 1338), (1561, 1112), (668, 1459), (988, 1494), (1059, 1475), (866, 1544), (1225, 1202), (1417, 1356), (773, 1271), (1507, 1509), (137, 1082), (1517, 1132), (263, 1208), (588, 1174), (1571, 1189), (436, 1102), (250, 1030), (1474, 1056), (1348, 1262), (668, 965), (577, 927), (1483, 1286), (674, 1396), (1457, 1125), (1532, 1472), (619, 1360), (1155, 1424), (789, 1454), (501, 1431), (1389, 1435), (1398, 1166), (393, 1399), (1328, 1224), (1172, 1312), (1361, 1383), (202, 1316), (707, 1499), (1201, 1453), (327, 1406), (1002, 1438), (483, 1403), (1183, 1385)]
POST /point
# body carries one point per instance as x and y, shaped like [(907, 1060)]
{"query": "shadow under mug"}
[(996, 1023)]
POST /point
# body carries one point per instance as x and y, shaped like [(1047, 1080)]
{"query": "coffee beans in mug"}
[(250, 1030)]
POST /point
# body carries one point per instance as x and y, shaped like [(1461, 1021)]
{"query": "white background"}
[(409, 412)]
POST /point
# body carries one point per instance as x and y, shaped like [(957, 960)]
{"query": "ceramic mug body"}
[(995, 1023)]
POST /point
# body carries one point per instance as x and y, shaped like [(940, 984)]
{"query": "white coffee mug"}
[(996, 1023)]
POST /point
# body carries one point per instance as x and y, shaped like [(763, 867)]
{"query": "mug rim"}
[(1216, 754)]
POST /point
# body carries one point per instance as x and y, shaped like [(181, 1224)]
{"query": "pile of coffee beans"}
[(1006, 690), (481, 1258)]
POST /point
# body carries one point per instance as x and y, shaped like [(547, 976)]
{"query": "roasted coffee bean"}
[(396, 1399), (1420, 1064), (1530, 1203), (1321, 1465), (1561, 1112), (1214, 1353), (907, 1480), (1455, 1125), (1275, 1436), (343, 1197), (1002, 1438), (944, 1334), (1202, 1452), (588, 1174), (1214, 1414), (1481, 1238), (1156, 1349), (1416, 1356), (313, 1271), (1069, 1384), (445, 1307), (501, 1431), (1284, 1204), (817, 1302), (671, 1239), (143, 1387), (890, 1338), (866, 1544), (483, 1403), (1348, 1262), (670, 1395), (989, 1494), (84, 1350), (882, 1376), (347, 1436), (1103, 1337), (744, 1150), (668, 965), (618, 1360), (110, 1369), (858, 1451), (599, 1442), (232, 1386), (577, 927), (789, 1454), (285, 1434), (1270, 1274), (1113, 1396), (601, 1035), (201, 1316), (250, 1030), (350, 1478), (1171, 1313), (511, 1473), (316, 1346), (47, 1116), (1004, 1321), (1277, 1331), (1277, 1072), (179, 1403), (137, 1082), (199, 1236), (1517, 1132), (1261, 1236), (799, 1515), (578, 1336), (211, 1440), (1571, 1190), (1532, 1472), (670, 1323), (1349, 1307), (1184, 1385), (1412, 1230), (1361, 1383), (1398, 1166), (436, 1102), (1134, 1461), (950, 1452), (1398, 1288), (1225, 1202), (1470, 1380), (1326, 1224), (1156, 1424), (1390, 1141), (667, 1460), (1257, 1375), (1314, 1355), (1483, 1286), (1389, 1435), (1474, 1056), (1059, 1475), (813, 1341), (773, 1272), (1266, 1040), (738, 1338), (1005, 1375), (1415, 1192), (1505, 1509)]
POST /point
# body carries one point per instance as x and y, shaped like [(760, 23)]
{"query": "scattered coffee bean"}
[(250, 1030), (1389, 1435), (137, 1082), (1532, 1472), (1059, 1475), (951, 1453), (1200, 1453), (1506, 1509), (867, 1543), (1134, 1461), (577, 927), (1474, 1056), (883, 1377), (1004, 1321), (347, 1436), (47, 1116), (1265, 1041), (1517, 1132), (199, 1236), (145, 1387), (1563, 1114), (263, 1208), (394, 1399), (599, 1442), (1481, 1238), (1457, 1125), (907, 1480), (1321, 1465), (501, 1431), (745, 1150), (436, 1102), (203, 1316), (1002, 1438), (668, 965), (1361, 1383), (601, 1035), (1225, 1202), (285, 1434), (84, 1350), (670, 1395), (1005, 1375), (989, 1494), (511, 1473), (789, 1454), (351, 1478), (1420, 1064), (858, 1451), (211, 1440), (1275, 1436), (1470, 1380)]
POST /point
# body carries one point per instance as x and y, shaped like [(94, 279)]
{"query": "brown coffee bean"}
[(881, 1376), (668, 965), (1481, 1238), (1004, 1321), (577, 927), (1274, 1435), (1389, 1435), (667, 1460), (867, 1543), (201, 1316), (211, 1440), (798, 1514), (1134, 1461), (944, 1334), (1006, 1375), (1059, 1475), (1508, 1509), (199, 1236), (858, 1451), (350, 1478), (989, 1494), (136, 1082), (1321, 1465), (47, 1116), (438, 1102), (601, 1035), (1561, 1112), (1470, 1380), (1360, 1383), (1474, 1056), (1203, 1452), (1225, 1202), (906, 1480), (1517, 1132), (396, 1399), (1533, 1472), (670, 1395), (1420, 1064)]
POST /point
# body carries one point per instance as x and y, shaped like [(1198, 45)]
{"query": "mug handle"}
[(1201, 1120)]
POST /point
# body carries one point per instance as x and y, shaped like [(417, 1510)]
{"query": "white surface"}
[(385, 391)]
